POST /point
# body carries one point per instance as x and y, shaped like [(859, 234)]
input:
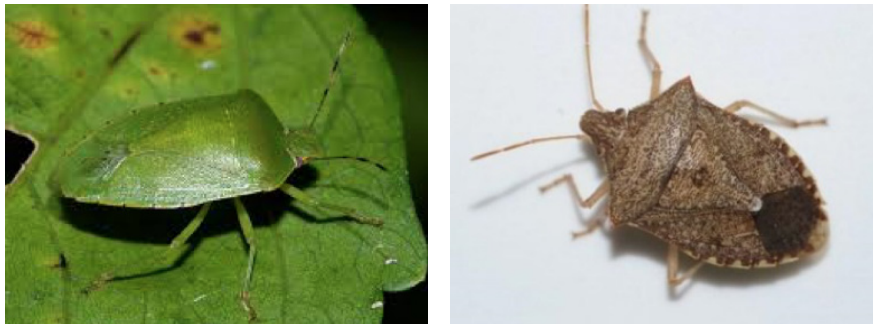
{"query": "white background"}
[(517, 72)]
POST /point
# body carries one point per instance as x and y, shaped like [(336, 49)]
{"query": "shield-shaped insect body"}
[(194, 152), (719, 188), (722, 189), (182, 154)]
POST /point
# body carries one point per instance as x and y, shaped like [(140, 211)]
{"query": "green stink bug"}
[(193, 152)]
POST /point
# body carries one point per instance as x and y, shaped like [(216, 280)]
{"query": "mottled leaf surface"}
[(72, 69)]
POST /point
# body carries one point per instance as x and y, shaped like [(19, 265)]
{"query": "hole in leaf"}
[(18, 149)]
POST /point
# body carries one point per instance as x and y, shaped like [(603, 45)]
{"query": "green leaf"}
[(71, 69)]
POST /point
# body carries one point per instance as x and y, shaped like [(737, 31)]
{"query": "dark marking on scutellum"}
[(123, 50), (786, 220)]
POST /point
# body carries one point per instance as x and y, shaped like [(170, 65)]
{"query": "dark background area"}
[(403, 33)]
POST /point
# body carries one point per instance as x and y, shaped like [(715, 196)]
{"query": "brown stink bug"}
[(719, 188)]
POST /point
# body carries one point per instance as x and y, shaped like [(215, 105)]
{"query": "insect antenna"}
[(528, 142), (587, 22), (333, 73), (361, 159)]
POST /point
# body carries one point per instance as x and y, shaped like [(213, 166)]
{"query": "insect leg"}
[(601, 191), (528, 142), (737, 105), (249, 234), (187, 232), (166, 259), (650, 59), (590, 228), (674, 265), (587, 203), (588, 59), (309, 200)]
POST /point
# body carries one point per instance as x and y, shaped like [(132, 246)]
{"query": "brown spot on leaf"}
[(32, 35), (154, 70), (213, 28), (197, 34), (105, 33), (194, 36), (75, 11), (79, 73)]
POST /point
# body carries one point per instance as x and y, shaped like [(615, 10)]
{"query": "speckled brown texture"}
[(721, 188)]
